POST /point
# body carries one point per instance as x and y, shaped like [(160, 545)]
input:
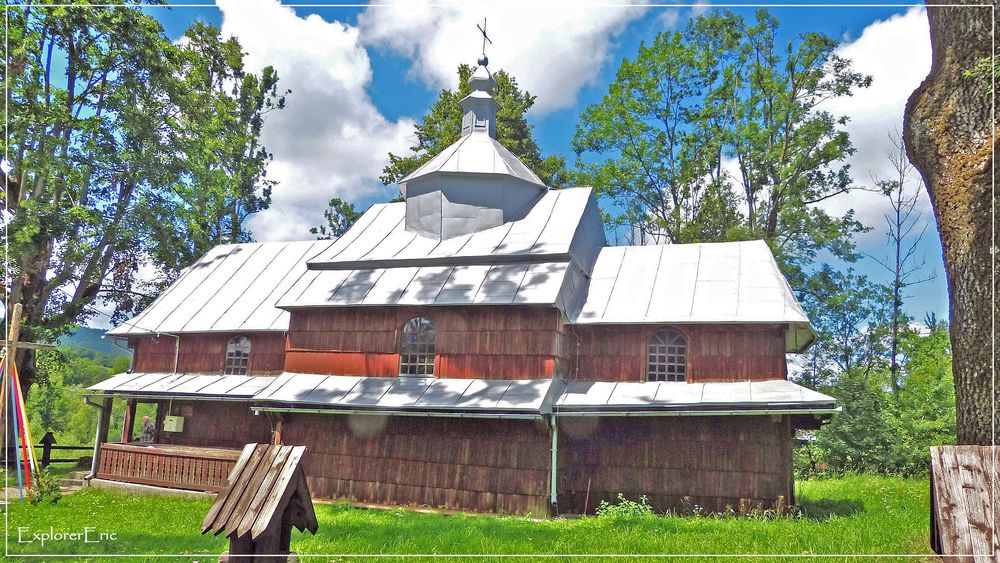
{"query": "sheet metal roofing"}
[(730, 282), (234, 287), (547, 283), (184, 385), (562, 225), (475, 154), (531, 396), (523, 396), (605, 395)]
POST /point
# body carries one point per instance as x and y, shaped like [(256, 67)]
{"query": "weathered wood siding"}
[(206, 353), (488, 465), (677, 462), (481, 465), (218, 424), (963, 512), (498, 342), (715, 352)]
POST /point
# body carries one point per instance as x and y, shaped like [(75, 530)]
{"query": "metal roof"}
[(533, 396), (730, 282), (610, 396), (475, 154), (183, 385), (234, 287), (547, 283), (401, 395), (562, 225)]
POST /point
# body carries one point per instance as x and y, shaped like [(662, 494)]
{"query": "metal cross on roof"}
[(482, 29)]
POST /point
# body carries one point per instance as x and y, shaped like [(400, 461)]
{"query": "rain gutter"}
[(465, 414), (760, 412), (126, 395)]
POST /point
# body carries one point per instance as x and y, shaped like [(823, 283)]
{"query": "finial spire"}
[(479, 108), (484, 60)]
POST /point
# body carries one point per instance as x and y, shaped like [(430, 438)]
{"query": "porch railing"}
[(176, 467)]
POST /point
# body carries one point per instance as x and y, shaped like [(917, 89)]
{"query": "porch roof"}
[(475, 397), (182, 385), (411, 394), (585, 397)]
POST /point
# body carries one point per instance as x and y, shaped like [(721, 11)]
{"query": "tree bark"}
[(951, 134)]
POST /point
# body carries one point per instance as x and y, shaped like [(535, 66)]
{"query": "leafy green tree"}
[(442, 125), (718, 133), (48, 404), (925, 412), (340, 215), (849, 314), (861, 437), (124, 149), (224, 174)]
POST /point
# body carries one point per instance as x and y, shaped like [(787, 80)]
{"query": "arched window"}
[(416, 354), (238, 356), (666, 356)]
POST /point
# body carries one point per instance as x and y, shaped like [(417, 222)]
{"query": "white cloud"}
[(553, 50), (330, 140), (896, 52)]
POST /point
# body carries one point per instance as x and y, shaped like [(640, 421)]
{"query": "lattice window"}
[(416, 354), (666, 356), (238, 356)]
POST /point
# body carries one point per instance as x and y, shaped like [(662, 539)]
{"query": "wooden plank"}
[(273, 501), (268, 485), (233, 492), (209, 520), (963, 516)]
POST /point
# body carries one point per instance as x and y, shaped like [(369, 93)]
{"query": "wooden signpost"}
[(266, 495), (963, 513)]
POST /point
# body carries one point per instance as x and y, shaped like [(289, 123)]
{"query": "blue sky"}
[(361, 75)]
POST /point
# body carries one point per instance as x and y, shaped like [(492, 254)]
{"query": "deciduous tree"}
[(124, 150), (718, 133), (340, 215), (951, 137)]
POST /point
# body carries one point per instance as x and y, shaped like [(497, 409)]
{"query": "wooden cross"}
[(482, 29)]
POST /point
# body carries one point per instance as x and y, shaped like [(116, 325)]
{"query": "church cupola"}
[(479, 109), (475, 184)]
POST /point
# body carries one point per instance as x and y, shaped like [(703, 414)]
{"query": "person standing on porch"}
[(148, 430)]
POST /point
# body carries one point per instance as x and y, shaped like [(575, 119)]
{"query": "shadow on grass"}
[(823, 509)]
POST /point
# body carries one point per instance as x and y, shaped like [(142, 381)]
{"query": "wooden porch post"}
[(129, 424)]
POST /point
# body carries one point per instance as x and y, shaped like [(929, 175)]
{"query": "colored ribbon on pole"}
[(17, 442), (28, 441)]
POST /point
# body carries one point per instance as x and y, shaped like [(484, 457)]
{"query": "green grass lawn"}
[(852, 515)]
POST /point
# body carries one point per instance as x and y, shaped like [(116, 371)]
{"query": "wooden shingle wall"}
[(488, 342), (715, 352), (206, 353), (213, 424), (677, 462), (482, 465)]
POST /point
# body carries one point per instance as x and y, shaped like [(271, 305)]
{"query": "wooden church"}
[(477, 346)]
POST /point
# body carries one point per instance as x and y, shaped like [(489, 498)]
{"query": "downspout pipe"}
[(554, 468), (102, 421), (177, 346)]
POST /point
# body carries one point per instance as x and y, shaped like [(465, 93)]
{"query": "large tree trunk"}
[(951, 139)]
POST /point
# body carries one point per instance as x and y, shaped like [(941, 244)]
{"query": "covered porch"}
[(168, 458)]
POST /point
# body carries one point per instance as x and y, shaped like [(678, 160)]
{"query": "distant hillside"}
[(90, 339)]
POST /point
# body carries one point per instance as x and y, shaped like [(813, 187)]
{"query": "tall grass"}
[(850, 515)]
